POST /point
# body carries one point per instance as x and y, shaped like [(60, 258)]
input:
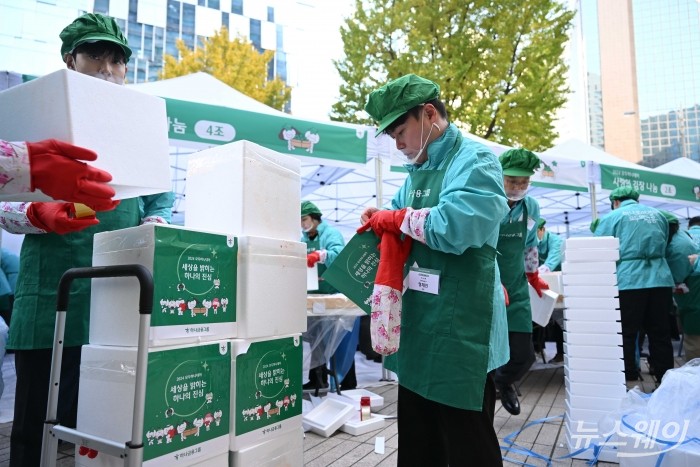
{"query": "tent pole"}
[(594, 207), (378, 181)]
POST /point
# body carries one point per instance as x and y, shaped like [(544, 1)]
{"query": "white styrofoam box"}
[(327, 417), (588, 279), (594, 364), (357, 427), (610, 390), (312, 278), (591, 256), (130, 139), (577, 243), (542, 307), (644, 448), (591, 291), (591, 402), (593, 327), (194, 279), (605, 267), (592, 339), (595, 376), (355, 395), (260, 310), (604, 303), (577, 413), (187, 400), (603, 352), (259, 187), (580, 314), (582, 437), (266, 393), (553, 280), (281, 450)]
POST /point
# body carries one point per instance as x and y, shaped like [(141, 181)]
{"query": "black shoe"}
[(509, 399)]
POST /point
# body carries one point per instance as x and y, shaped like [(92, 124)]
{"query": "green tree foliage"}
[(235, 62), (499, 63)]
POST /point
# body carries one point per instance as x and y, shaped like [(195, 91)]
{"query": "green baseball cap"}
[(541, 222), (519, 162), (397, 97), (93, 27), (307, 207), (671, 218), (624, 192)]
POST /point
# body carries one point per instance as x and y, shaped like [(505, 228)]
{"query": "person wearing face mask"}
[(518, 262), (453, 335), (323, 245), (56, 240), (644, 279)]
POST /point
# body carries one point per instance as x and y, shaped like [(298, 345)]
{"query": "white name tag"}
[(424, 280)]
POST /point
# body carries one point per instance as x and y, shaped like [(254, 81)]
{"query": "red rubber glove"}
[(55, 170), (538, 284), (58, 218), (312, 258), (366, 214), (386, 221), (505, 295)]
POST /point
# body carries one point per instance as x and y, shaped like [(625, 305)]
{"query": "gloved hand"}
[(505, 295), (58, 218), (543, 269), (55, 170), (312, 258), (386, 221), (366, 214), (538, 284)]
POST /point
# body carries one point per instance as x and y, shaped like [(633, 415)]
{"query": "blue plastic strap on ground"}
[(671, 444)]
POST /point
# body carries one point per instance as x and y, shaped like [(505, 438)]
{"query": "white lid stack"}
[(593, 365)]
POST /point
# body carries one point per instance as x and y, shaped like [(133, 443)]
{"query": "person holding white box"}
[(57, 240), (55, 168), (643, 277), (518, 262)]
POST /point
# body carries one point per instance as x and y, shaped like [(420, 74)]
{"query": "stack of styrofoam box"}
[(253, 193), (593, 365)]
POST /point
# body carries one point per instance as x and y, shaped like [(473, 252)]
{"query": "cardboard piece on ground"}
[(127, 129)]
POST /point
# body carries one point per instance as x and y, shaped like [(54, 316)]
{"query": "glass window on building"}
[(281, 65), (271, 14), (101, 6), (255, 34), (188, 13), (224, 20), (237, 7), (280, 37)]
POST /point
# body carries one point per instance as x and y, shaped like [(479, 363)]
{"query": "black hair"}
[(316, 217), (101, 49), (694, 221), (672, 230), (415, 112)]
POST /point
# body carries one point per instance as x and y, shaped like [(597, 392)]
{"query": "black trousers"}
[(31, 399), (437, 435), (522, 356), (647, 310)]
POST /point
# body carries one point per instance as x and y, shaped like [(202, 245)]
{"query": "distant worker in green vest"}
[(518, 262), (644, 279), (549, 249), (323, 245)]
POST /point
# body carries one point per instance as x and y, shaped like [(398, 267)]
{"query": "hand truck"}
[(131, 451)]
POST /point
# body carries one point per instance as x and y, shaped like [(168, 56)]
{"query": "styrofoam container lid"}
[(356, 427), (328, 416)]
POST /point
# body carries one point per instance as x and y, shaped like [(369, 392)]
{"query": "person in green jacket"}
[(56, 240), (518, 262), (323, 245), (549, 249), (686, 293), (644, 279), (453, 332)]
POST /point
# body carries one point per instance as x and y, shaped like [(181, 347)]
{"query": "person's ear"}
[(70, 61)]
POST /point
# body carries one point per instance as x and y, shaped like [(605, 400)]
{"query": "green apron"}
[(323, 286), (511, 262), (444, 348), (43, 260)]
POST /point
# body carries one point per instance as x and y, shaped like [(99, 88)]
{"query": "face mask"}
[(516, 195), (423, 145)]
